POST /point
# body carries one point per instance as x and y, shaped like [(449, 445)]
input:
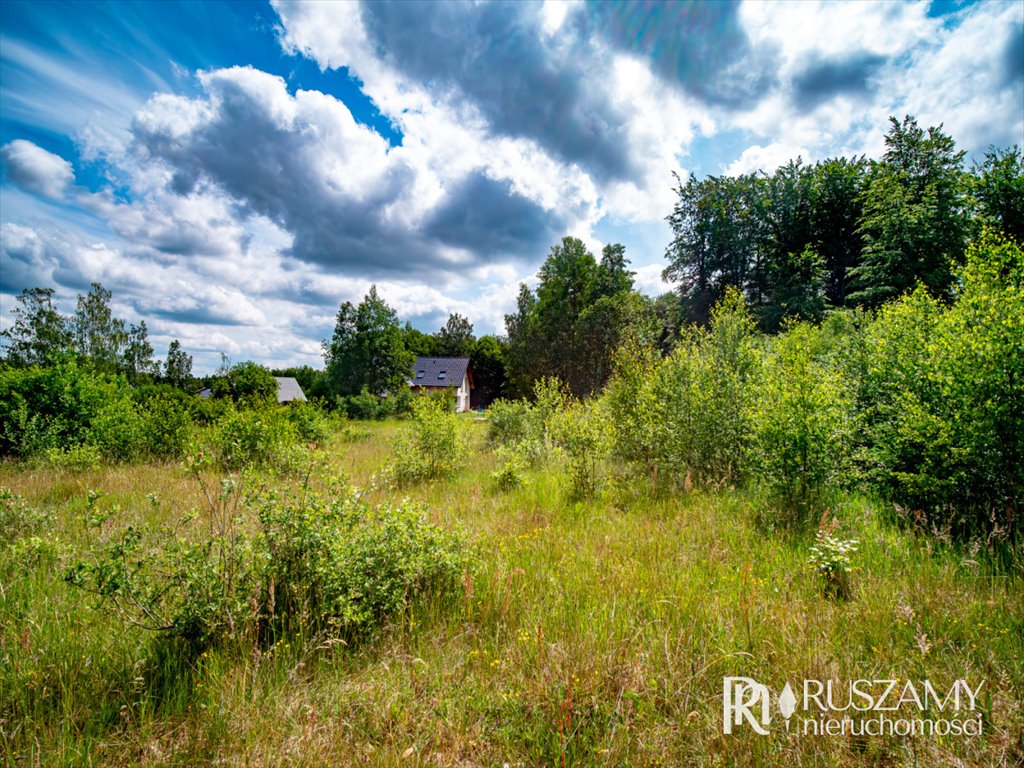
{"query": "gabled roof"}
[(439, 372), (288, 390)]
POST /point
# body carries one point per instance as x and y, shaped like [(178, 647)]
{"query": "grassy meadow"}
[(592, 633)]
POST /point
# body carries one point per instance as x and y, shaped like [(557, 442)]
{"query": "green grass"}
[(595, 633)]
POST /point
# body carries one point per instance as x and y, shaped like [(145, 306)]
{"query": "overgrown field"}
[(582, 631)]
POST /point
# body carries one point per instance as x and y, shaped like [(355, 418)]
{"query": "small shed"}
[(288, 390), (433, 374)]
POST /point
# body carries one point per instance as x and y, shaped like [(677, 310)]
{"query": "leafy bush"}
[(830, 558), (247, 383), (944, 399), (311, 424), (634, 410), (78, 457), (434, 448), (317, 562), (363, 406), (509, 421), (511, 469), (685, 417), (17, 518), (339, 563), (117, 431), (63, 406), (801, 427), (253, 437), (582, 432), (166, 426)]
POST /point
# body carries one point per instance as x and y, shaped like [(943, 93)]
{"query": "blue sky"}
[(233, 171)]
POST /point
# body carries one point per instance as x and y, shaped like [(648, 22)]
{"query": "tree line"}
[(842, 232), (40, 335), (796, 244)]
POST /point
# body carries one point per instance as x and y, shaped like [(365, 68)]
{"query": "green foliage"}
[(635, 410), (830, 559), (434, 447), (38, 334), (714, 226), (247, 384), (512, 465), (311, 424), (18, 519), (509, 422), (487, 360), (63, 406), (341, 564), (944, 399), (178, 365), (915, 215), (683, 418), (310, 562), (253, 437), (581, 313), (800, 420), (367, 407), (455, 339), (998, 186), (98, 335), (166, 425), (367, 350), (584, 435)]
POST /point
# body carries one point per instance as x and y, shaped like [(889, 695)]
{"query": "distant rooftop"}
[(439, 371)]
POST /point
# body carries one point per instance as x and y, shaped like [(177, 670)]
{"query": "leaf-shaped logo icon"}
[(787, 702)]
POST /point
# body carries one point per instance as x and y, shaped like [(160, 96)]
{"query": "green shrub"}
[(509, 422), (338, 562), (253, 437), (830, 559), (166, 426), (433, 449), (77, 457), (316, 562), (65, 405), (363, 406), (944, 400), (17, 518), (512, 466), (801, 420), (247, 384), (683, 419), (208, 410), (117, 431), (582, 432), (635, 412), (310, 422)]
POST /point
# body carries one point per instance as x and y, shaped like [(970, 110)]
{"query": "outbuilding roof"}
[(288, 390)]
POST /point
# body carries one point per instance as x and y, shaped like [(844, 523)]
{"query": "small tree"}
[(138, 353), (39, 332), (178, 365), (99, 335), (433, 449), (246, 383), (801, 420), (455, 339)]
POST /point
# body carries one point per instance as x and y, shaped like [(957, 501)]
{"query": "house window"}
[(420, 374), (441, 374)]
